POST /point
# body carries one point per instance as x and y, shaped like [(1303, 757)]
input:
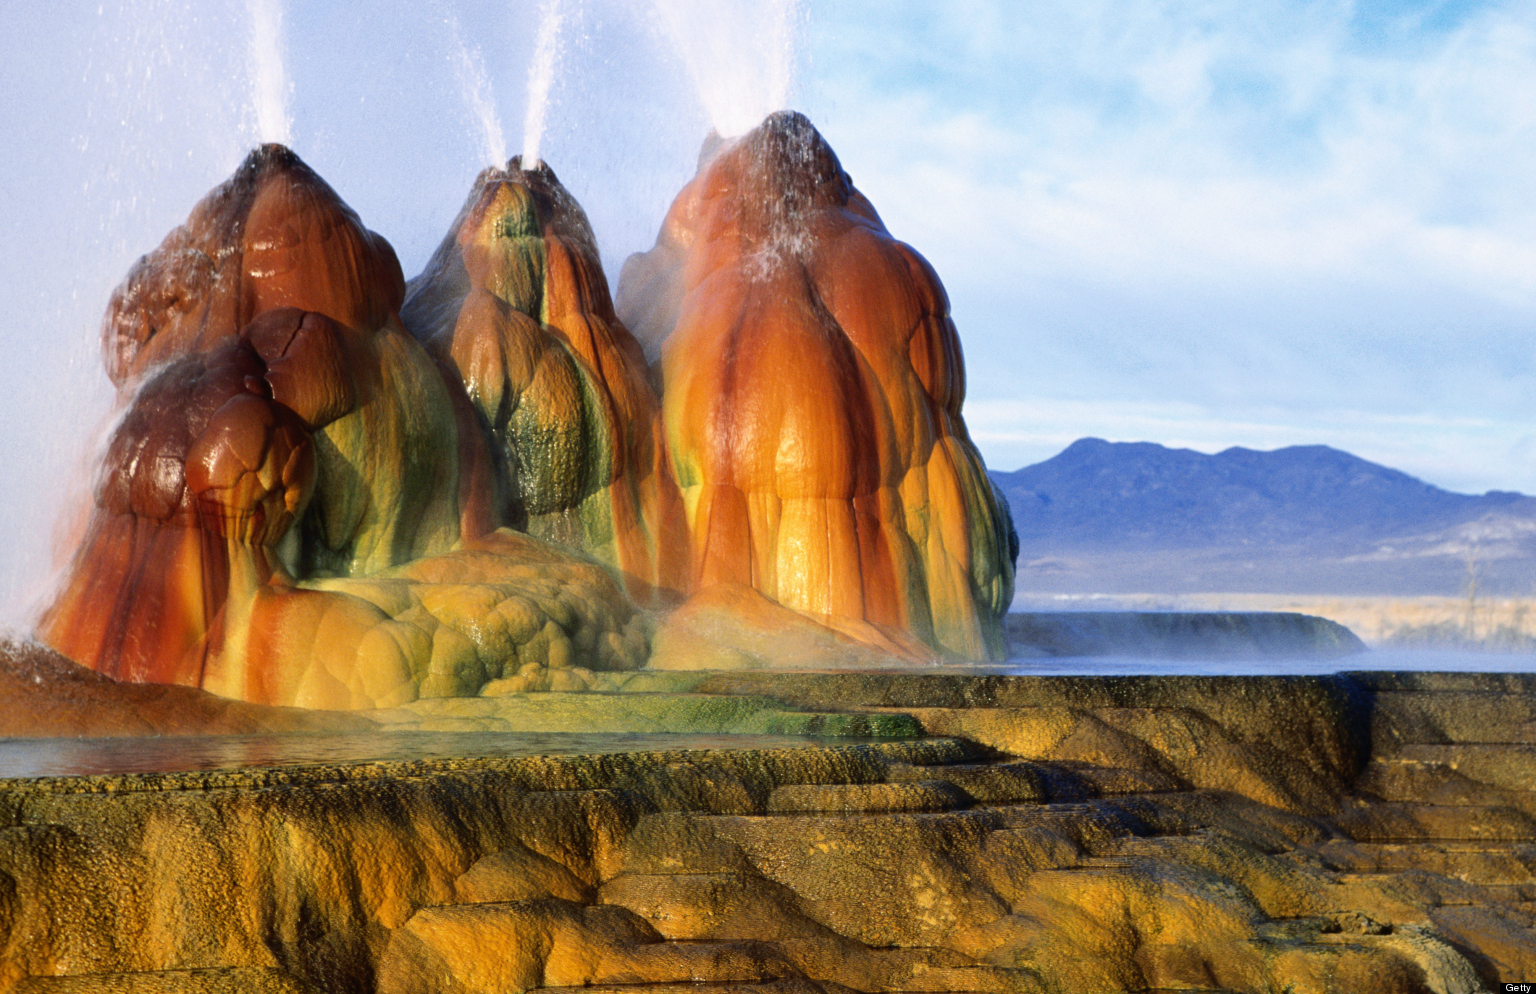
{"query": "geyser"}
[(296, 507), (269, 80), (469, 67), (515, 306), (332, 488), (541, 76), (812, 390)]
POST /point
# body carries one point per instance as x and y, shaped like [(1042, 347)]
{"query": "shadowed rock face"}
[(202, 479), (515, 306), (812, 390)]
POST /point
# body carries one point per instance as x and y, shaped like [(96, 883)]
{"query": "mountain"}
[(1122, 516)]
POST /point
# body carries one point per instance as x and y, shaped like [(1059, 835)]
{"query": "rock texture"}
[(515, 305), (296, 505), (1361, 833), (47, 695), (812, 390), (333, 489)]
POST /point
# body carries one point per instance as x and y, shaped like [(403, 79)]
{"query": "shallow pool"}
[(25, 758)]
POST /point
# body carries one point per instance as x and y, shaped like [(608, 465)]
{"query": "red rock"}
[(273, 235)]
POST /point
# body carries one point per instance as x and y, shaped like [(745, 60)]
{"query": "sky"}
[(1205, 224), (1209, 224)]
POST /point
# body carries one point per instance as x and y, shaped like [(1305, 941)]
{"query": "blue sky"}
[(1205, 224)]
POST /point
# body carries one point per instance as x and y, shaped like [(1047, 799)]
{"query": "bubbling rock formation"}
[(812, 390), (294, 507), (514, 304)]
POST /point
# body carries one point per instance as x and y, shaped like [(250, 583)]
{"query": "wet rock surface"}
[(47, 695), (514, 307), (1139, 834), (330, 488), (812, 385)]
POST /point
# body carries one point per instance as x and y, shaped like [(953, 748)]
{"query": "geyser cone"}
[(514, 304), (202, 478), (273, 235), (813, 382), (279, 424)]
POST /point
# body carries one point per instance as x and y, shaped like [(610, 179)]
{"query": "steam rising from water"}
[(541, 75), (270, 81), (470, 69), (741, 57)]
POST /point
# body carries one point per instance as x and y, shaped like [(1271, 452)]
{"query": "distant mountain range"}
[(1123, 517)]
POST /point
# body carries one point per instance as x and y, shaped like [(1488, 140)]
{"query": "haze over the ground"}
[(1123, 517), (1223, 223)]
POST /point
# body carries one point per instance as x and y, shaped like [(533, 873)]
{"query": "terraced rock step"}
[(638, 711), (1072, 835)]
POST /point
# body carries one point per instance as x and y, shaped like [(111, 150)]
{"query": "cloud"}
[(1276, 206)]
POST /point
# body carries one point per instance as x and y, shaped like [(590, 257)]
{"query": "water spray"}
[(270, 80), (541, 76), (741, 59), (476, 85)]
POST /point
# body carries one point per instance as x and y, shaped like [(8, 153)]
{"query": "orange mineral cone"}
[(812, 385), (515, 305)]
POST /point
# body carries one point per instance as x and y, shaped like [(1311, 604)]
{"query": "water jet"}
[(269, 81), (541, 76), (469, 66)]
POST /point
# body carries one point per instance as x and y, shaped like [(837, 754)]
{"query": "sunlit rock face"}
[(812, 390), (276, 236), (291, 509), (514, 304), (273, 235)]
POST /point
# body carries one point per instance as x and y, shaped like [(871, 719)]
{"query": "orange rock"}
[(812, 390), (273, 235), (48, 696), (730, 626), (514, 304), (283, 510), (201, 479)]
